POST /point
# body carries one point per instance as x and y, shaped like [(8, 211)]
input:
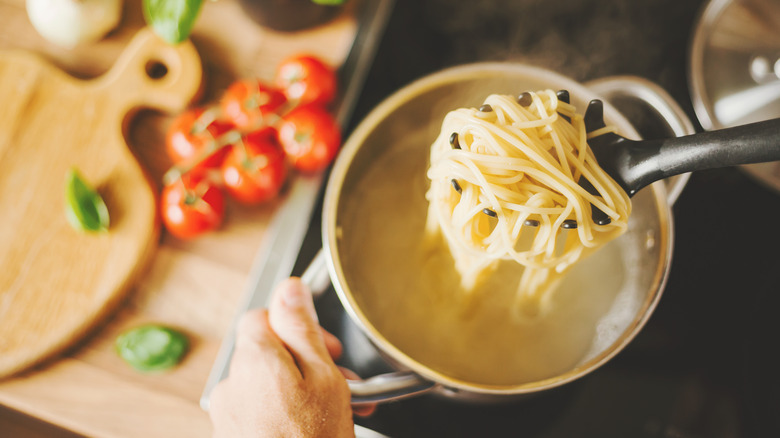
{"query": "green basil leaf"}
[(152, 347), (172, 20), (84, 207), (329, 2)]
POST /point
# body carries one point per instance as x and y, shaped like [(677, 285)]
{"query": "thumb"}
[(294, 320)]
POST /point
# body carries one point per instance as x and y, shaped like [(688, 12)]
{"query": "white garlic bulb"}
[(69, 23)]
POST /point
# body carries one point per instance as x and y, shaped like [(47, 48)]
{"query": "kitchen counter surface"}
[(191, 285), (701, 367)]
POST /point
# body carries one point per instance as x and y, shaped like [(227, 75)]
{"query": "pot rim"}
[(335, 268)]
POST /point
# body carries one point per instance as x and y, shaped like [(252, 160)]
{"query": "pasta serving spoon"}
[(634, 164)]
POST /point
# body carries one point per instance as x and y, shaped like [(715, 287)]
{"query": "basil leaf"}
[(172, 20), (84, 207), (151, 347)]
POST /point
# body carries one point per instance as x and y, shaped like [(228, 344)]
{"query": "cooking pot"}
[(410, 119)]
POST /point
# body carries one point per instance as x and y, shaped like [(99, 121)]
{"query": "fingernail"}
[(294, 296)]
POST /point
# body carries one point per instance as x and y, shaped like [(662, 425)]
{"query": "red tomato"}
[(310, 137), (192, 134), (192, 205), (248, 102), (306, 79), (254, 170)]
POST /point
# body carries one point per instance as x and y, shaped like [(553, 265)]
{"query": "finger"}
[(293, 319), (258, 348), (332, 343), (359, 410), (364, 410)]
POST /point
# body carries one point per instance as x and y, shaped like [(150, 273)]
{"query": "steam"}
[(580, 39)]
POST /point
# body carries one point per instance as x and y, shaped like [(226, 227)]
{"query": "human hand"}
[(283, 381)]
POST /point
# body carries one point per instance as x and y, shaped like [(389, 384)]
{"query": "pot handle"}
[(389, 386), (377, 389), (663, 104), (316, 274)]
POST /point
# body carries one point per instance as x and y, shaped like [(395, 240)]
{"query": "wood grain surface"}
[(191, 285), (57, 282)]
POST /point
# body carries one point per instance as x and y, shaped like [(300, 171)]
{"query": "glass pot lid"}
[(735, 69)]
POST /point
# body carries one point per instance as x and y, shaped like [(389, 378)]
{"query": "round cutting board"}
[(57, 282)]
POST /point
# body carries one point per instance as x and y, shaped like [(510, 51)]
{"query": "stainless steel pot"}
[(416, 112)]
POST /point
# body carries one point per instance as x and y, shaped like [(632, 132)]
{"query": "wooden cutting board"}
[(55, 282)]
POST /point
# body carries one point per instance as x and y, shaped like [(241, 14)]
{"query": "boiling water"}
[(410, 292)]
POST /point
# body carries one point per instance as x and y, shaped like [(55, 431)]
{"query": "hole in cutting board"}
[(156, 69)]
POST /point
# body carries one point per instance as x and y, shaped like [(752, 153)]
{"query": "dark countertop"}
[(701, 367)]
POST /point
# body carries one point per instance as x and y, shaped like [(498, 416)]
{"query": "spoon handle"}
[(653, 160)]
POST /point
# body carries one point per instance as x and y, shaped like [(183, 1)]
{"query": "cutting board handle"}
[(154, 73)]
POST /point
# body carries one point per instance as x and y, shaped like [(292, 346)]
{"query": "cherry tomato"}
[(192, 205), (306, 79), (310, 137), (255, 169), (192, 134), (247, 103)]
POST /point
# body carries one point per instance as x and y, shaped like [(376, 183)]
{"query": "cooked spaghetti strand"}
[(522, 165)]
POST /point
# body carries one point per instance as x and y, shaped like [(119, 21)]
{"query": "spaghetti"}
[(506, 184)]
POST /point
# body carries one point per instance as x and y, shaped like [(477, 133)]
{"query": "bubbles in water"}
[(626, 304)]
